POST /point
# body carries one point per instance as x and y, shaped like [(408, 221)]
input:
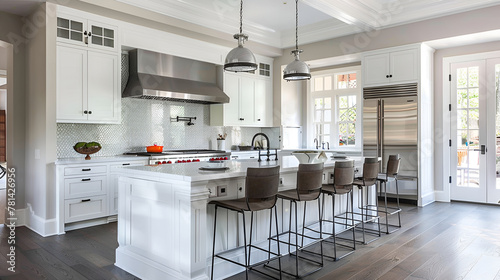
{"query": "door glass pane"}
[(474, 98), (62, 22), (468, 127), (317, 116), (77, 36), (462, 78), (77, 26), (473, 76), (63, 33), (318, 84), (96, 40), (109, 43), (462, 98), (318, 103), (96, 30), (473, 119)]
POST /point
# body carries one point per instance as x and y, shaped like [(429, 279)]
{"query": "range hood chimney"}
[(165, 77)]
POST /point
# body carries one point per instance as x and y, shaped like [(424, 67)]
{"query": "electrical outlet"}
[(281, 181), (222, 190), (212, 192)]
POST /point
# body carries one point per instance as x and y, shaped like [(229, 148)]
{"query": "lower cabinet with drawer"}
[(78, 209), (87, 193)]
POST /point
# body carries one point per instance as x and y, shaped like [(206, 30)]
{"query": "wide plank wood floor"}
[(440, 241)]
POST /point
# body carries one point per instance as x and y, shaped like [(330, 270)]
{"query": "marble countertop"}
[(190, 172), (81, 160)]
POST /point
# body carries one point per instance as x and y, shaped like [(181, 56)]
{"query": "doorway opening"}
[(3, 129), (474, 130)]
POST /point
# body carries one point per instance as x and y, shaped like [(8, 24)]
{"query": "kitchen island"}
[(165, 226)]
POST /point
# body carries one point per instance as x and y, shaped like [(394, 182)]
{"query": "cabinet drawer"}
[(85, 186), (85, 208), (85, 170), (113, 167)]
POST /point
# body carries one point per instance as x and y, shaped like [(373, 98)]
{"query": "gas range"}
[(184, 156)]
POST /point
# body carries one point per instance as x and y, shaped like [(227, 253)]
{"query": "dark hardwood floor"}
[(439, 241)]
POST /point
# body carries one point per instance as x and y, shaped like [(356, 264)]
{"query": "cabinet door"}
[(404, 66), (71, 85), (103, 36), (247, 100), (376, 69), (263, 102), (103, 93), (71, 30), (232, 89)]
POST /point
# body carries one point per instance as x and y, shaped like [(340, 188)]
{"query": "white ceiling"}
[(272, 22)]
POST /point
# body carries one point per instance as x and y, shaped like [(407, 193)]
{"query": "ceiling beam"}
[(348, 11)]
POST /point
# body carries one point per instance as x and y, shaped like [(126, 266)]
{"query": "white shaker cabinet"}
[(391, 67), (87, 86), (250, 102)]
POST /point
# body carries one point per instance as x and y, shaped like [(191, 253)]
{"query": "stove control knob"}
[(158, 162), (164, 162), (178, 161), (188, 160), (183, 161), (211, 159), (169, 162), (225, 158)]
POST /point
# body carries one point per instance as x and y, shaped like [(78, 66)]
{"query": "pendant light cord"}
[(296, 24), (241, 17)]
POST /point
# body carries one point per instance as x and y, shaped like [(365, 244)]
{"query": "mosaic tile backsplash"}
[(145, 122)]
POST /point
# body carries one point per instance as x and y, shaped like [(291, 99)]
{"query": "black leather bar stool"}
[(343, 174), (261, 188), (369, 212), (391, 172), (309, 182)]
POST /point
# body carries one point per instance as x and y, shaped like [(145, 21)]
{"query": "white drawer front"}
[(85, 208), (113, 167), (85, 186), (85, 170)]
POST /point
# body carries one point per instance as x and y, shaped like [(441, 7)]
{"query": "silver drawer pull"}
[(86, 200), (88, 179), (125, 164), (86, 169)]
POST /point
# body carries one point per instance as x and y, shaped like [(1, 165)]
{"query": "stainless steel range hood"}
[(160, 76)]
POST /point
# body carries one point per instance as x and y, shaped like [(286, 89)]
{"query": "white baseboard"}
[(147, 269), (428, 199), (442, 196), (21, 217), (39, 225)]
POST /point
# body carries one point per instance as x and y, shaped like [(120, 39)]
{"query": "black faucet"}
[(268, 144), (317, 143)]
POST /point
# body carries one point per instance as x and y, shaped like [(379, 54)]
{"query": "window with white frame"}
[(335, 99)]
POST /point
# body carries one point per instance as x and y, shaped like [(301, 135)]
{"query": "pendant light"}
[(297, 70), (240, 59)]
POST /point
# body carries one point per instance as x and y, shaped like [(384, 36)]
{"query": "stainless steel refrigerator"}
[(390, 126)]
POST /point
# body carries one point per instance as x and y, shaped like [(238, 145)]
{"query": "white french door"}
[(493, 130), (474, 127)]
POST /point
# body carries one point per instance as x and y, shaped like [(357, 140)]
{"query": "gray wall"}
[(11, 33)]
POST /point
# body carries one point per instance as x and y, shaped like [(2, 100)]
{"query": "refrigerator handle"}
[(382, 133)]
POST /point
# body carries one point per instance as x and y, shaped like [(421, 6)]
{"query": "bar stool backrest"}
[(261, 187), (370, 171), (309, 181), (393, 165), (343, 174)]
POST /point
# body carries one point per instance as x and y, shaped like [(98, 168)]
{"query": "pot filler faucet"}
[(268, 144)]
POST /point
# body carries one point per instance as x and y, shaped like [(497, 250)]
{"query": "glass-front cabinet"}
[(79, 31)]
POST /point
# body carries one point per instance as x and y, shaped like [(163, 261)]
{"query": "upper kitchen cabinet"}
[(82, 32), (251, 99), (399, 65), (87, 86)]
